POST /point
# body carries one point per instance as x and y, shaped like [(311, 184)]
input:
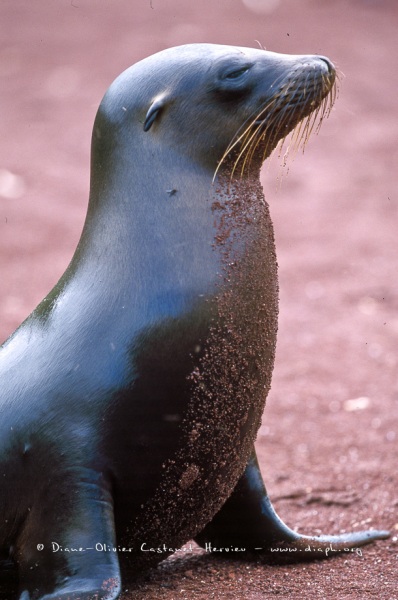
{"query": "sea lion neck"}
[(144, 195), (141, 187)]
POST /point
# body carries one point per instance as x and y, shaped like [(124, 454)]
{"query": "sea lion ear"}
[(153, 112)]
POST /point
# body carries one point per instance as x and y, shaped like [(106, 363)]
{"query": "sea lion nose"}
[(330, 65)]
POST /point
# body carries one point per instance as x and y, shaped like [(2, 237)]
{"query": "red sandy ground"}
[(328, 468)]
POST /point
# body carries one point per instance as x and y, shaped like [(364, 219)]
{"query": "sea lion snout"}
[(329, 64)]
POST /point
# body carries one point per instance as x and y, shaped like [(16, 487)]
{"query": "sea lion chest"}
[(205, 374)]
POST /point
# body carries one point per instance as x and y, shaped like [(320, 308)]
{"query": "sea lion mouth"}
[(300, 108), (296, 105), (296, 100)]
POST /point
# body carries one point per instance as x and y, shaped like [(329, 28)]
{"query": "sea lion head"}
[(212, 102)]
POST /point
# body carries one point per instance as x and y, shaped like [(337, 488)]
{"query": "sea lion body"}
[(131, 397)]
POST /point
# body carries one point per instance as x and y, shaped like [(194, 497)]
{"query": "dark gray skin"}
[(131, 397)]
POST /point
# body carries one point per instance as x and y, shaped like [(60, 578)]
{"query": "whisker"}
[(240, 138), (268, 122), (249, 122)]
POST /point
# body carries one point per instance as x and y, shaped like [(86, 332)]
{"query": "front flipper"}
[(66, 547), (248, 520)]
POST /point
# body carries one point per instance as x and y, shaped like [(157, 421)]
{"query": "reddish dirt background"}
[(328, 467)]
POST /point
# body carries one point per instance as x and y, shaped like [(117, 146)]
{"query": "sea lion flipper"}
[(248, 520), (247, 516), (76, 556)]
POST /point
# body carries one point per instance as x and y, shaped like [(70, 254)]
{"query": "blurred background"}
[(335, 392)]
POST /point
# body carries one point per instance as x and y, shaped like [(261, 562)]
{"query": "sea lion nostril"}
[(330, 65)]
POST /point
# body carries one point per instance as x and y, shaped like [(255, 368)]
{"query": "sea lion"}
[(131, 397)]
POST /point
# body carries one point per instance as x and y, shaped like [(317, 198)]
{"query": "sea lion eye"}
[(236, 74)]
